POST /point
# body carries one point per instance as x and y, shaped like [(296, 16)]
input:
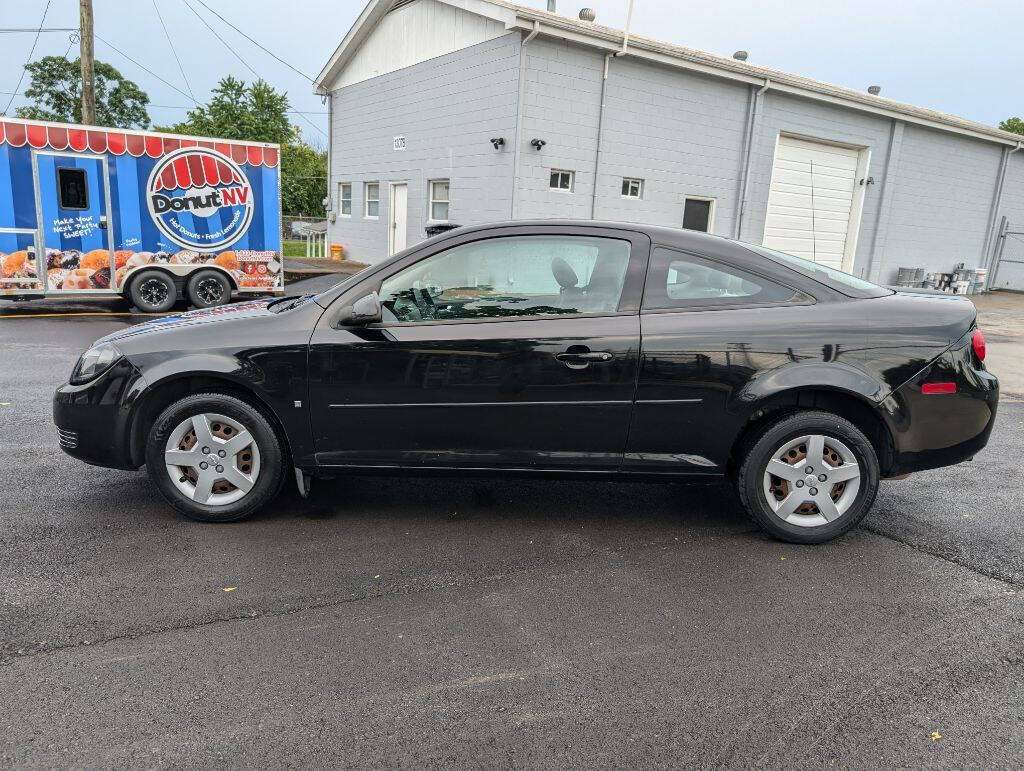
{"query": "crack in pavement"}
[(7, 656), (995, 575)]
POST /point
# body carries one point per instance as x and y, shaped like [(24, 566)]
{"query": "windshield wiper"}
[(285, 303)]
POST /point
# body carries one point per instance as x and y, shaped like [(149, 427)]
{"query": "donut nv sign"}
[(199, 198)]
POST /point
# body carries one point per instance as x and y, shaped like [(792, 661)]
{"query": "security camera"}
[(498, 142), (537, 143)]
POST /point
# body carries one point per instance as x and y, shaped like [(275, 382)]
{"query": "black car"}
[(549, 348)]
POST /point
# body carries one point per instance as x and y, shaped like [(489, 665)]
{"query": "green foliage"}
[(56, 92), (1016, 125), (303, 179), (258, 113)]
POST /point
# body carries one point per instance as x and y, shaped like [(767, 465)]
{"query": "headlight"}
[(94, 363)]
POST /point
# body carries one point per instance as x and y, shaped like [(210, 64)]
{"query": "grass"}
[(294, 248)]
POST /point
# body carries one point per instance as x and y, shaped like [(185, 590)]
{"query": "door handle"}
[(582, 359)]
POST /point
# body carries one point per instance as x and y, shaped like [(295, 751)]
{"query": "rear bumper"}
[(93, 419), (935, 430)]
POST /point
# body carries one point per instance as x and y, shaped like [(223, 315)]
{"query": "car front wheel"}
[(809, 477), (214, 458)]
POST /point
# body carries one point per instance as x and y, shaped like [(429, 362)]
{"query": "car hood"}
[(225, 313)]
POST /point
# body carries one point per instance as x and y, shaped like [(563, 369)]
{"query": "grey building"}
[(471, 111)]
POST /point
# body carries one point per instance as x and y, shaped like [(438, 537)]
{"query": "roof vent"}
[(874, 90), (740, 55), (587, 14)]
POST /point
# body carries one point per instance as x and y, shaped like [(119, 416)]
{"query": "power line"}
[(143, 66), (222, 40), (24, 67), (300, 114), (15, 30), (255, 43), (174, 51)]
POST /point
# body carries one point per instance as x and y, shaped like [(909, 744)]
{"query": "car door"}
[(515, 348), (709, 328)]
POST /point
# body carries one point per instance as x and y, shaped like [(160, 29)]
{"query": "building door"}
[(398, 210), (815, 201), (73, 201)]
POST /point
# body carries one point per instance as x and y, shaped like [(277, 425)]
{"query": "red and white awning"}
[(55, 137), (196, 170)]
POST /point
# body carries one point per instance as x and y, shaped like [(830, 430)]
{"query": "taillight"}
[(978, 343)]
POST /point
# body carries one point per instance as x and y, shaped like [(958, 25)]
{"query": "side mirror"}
[(365, 310)]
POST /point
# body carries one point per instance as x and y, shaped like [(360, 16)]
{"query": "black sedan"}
[(549, 348)]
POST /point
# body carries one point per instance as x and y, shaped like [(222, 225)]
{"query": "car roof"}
[(693, 241)]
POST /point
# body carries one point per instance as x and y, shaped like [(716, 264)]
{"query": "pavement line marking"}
[(84, 313)]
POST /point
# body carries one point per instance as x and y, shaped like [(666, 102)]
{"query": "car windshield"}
[(837, 279)]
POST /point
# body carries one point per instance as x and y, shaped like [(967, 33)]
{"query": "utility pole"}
[(88, 66)]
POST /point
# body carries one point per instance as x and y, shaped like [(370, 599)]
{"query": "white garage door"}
[(811, 201)]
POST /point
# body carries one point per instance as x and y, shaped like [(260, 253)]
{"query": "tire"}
[(259, 463), (770, 499), (153, 291), (208, 289)]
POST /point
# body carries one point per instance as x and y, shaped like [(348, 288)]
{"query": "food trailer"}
[(95, 212)]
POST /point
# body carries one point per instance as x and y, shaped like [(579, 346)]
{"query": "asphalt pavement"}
[(469, 623)]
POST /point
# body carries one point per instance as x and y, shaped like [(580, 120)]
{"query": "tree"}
[(1016, 125), (56, 94), (303, 180), (258, 113)]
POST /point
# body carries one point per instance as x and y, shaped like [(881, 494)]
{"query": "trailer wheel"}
[(208, 289), (153, 291)]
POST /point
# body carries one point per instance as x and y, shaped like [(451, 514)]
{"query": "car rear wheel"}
[(153, 291), (214, 458), (208, 289), (809, 477)]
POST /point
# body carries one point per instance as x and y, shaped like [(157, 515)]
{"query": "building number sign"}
[(399, 143)]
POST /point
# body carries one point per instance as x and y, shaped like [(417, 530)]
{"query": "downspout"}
[(988, 252), (748, 150), (514, 209), (330, 196), (600, 115)]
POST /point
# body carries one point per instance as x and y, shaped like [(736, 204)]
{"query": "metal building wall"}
[(683, 133), (447, 109)]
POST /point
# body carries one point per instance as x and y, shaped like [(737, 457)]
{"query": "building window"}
[(372, 199), (562, 180), (345, 199), (439, 190), (632, 188), (72, 188), (699, 213)]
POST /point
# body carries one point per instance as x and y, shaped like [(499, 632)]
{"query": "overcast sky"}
[(960, 57)]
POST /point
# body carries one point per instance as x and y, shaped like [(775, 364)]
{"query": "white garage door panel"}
[(811, 199)]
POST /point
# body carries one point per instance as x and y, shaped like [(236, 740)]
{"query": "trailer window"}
[(72, 188)]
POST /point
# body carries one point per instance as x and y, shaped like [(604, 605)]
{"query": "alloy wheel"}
[(212, 459), (811, 480), (153, 291), (210, 291)]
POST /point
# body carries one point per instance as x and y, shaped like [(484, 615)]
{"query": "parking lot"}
[(498, 623)]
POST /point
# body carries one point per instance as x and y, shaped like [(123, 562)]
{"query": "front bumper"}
[(93, 420)]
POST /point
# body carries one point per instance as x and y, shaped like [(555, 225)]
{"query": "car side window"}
[(679, 280), (511, 276)]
